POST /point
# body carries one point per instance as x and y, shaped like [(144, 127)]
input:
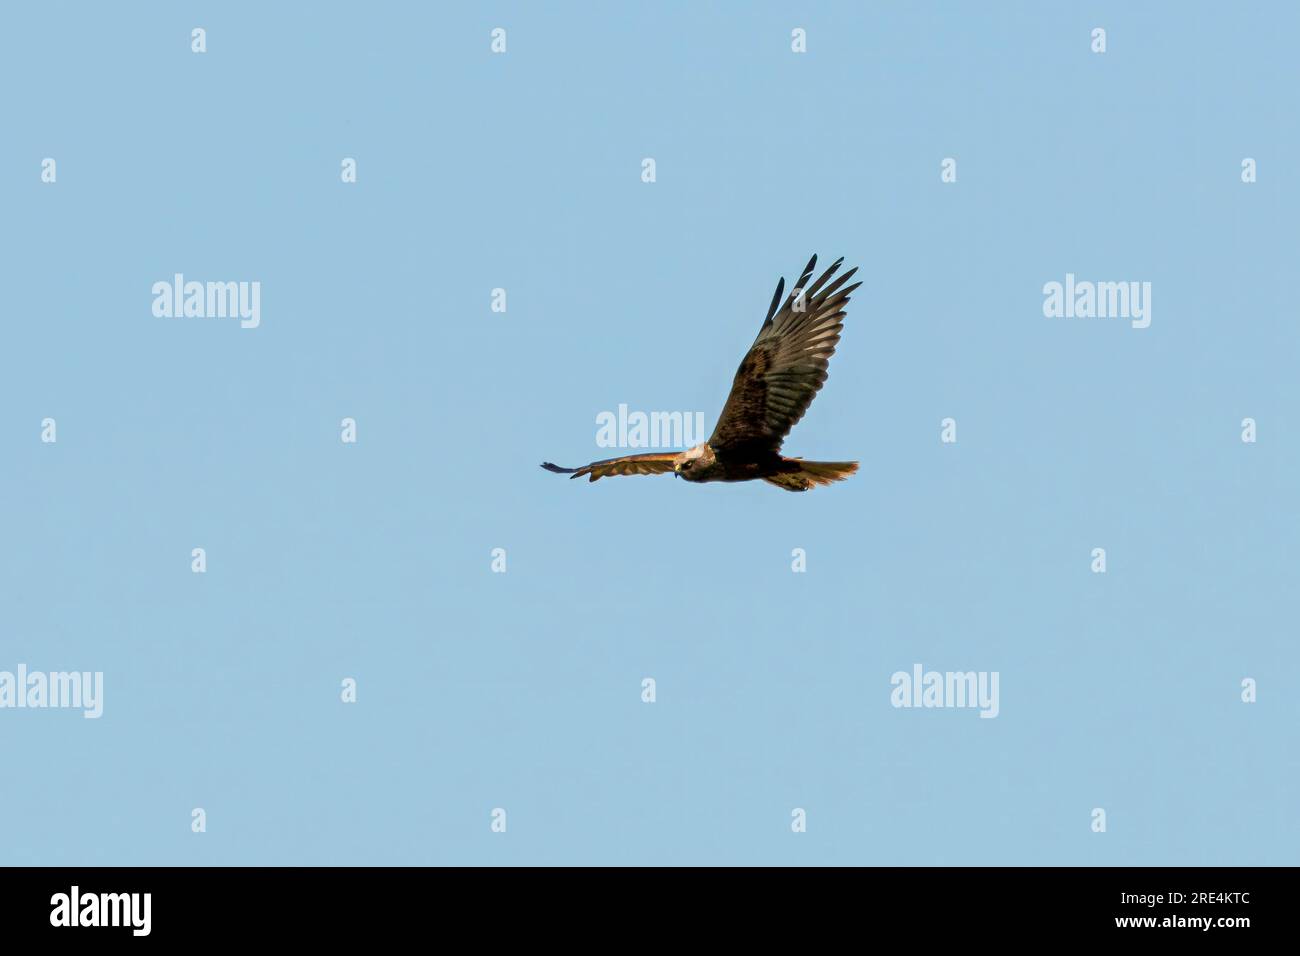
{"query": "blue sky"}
[(522, 690)]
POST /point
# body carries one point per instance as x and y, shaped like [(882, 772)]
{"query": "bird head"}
[(693, 461)]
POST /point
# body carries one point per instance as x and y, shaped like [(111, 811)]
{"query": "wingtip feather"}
[(776, 298)]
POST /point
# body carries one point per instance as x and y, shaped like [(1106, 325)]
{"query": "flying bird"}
[(776, 382)]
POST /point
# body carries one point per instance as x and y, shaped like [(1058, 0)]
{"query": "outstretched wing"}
[(657, 463), (786, 365)]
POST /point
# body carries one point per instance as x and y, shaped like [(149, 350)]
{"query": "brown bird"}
[(776, 382)]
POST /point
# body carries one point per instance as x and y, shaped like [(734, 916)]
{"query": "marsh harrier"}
[(776, 382)]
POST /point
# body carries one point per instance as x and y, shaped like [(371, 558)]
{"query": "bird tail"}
[(800, 475)]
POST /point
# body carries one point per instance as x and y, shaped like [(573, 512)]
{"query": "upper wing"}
[(786, 365), (656, 463)]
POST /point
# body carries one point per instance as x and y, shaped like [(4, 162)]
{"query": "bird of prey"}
[(776, 382)]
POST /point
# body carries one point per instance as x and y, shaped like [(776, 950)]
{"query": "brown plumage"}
[(776, 382)]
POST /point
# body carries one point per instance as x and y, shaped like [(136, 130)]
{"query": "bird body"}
[(776, 382)]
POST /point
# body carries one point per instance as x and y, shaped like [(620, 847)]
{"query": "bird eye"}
[(686, 464)]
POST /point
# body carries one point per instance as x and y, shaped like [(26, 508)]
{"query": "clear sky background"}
[(523, 690)]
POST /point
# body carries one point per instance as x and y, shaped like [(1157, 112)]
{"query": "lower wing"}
[(658, 463)]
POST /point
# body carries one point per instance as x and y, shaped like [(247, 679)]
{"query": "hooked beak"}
[(677, 468)]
